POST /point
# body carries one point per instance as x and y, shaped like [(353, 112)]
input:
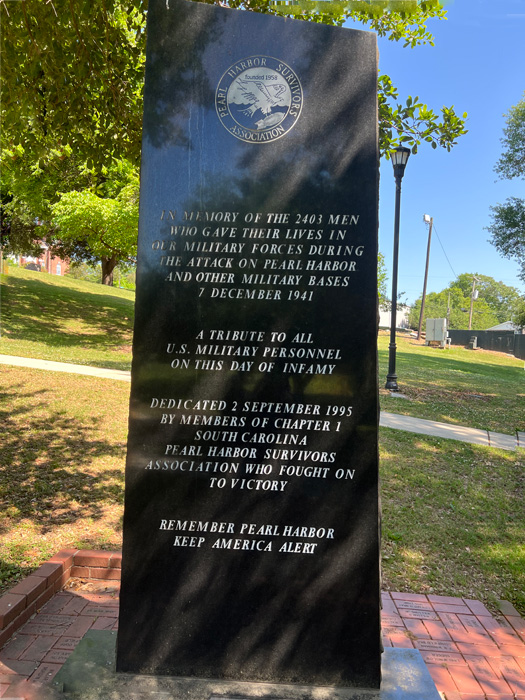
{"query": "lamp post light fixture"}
[(399, 161)]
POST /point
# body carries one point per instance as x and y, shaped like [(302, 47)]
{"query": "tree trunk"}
[(108, 265)]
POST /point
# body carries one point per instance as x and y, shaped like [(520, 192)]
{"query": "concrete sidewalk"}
[(387, 420), (452, 432), (102, 372)]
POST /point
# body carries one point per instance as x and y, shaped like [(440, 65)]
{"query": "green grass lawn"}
[(62, 464), (65, 320), (453, 518), (475, 388), (453, 513)]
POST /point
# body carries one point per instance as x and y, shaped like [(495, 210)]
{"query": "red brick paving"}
[(470, 654)]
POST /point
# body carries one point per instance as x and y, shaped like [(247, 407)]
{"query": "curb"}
[(29, 595)]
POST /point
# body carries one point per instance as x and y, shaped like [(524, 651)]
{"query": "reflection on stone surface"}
[(250, 529)]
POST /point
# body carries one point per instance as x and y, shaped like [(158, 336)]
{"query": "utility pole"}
[(473, 296), (430, 220)]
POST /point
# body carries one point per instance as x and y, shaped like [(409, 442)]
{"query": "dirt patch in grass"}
[(126, 349), (430, 394)]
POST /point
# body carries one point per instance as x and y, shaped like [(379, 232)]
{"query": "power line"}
[(446, 256)]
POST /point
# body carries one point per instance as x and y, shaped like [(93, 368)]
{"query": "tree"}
[(28, 192), (32, 189), (436, 306), (108, 227), (501, 299), (508, 219), (123, 274), (512, 161), (495, 304), (72, 77), (519, 318), (16, 224), (90, 57), (508, 231), (381, 280), (71, 98), (71, 93)]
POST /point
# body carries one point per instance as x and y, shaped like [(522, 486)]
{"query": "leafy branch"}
[(414, 122)]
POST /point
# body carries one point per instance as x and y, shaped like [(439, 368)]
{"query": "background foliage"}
[(496, 303), (71, 95), (508, 219)]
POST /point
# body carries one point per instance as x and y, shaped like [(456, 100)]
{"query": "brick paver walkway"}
[(470, 653), (37, 651)]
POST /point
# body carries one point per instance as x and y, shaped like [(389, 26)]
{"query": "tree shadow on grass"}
[(35, 311), (453, 517), (47, 464)]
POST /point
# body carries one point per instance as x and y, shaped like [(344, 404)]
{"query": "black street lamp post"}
[(399, 161)]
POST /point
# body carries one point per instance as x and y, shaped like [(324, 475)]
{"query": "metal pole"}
[(474, 280), (425, 281), (391, 377)]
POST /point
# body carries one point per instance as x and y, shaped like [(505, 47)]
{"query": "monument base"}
[(89, 674)]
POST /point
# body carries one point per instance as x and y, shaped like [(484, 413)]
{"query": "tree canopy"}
[(512, 161), (381, 280), (496, 303), (72, 74), (106, 226), (508, 219), (90, 57), (71, 94), (500, 298)]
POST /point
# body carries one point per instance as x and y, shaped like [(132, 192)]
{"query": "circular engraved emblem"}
[(259, 99)]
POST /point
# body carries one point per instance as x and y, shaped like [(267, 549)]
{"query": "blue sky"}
[(477, 65)]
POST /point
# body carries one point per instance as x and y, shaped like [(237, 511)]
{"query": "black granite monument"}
[(251, 538)]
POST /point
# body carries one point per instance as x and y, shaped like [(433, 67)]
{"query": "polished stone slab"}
[(89, 674), (251, 519)]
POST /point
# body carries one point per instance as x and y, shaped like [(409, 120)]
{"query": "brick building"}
[(46, 262)]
